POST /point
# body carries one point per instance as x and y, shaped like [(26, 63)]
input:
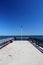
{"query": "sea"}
[(37, 36), (4, 37)]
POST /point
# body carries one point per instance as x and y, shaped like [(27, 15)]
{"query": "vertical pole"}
[(21, 32)]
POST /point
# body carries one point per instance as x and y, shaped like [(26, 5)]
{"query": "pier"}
[(38, 43), (20, 53)]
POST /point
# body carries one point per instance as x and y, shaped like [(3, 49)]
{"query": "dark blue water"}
[(4, 37), (37, 36)]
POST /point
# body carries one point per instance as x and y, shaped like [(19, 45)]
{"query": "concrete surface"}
[(20, 53)]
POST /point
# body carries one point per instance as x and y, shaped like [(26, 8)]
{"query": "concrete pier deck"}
[(20, 53)]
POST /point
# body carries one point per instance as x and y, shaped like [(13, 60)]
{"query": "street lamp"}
[(21, 32)]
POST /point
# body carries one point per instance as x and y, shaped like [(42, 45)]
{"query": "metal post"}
[(21, 32)]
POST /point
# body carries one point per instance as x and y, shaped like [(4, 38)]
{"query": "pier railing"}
[(5, 42), (38, 42)]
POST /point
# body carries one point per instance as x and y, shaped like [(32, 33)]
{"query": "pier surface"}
[(20, 53)]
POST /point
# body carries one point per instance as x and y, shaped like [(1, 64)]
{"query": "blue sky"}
[(14, 13)]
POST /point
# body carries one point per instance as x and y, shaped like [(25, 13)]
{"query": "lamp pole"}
[(21, 32)]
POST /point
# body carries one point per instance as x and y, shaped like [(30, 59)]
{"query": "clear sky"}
[(13, 13)]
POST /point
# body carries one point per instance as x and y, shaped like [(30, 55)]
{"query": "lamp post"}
[(21, 32)]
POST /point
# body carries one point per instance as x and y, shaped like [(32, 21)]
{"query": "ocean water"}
[(37, 36), (4, 37)]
